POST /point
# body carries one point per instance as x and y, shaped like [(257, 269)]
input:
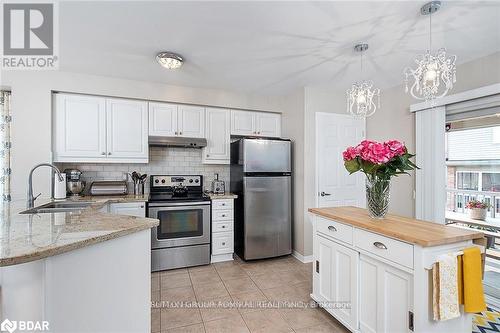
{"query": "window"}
[(467, 181), (491, 181)]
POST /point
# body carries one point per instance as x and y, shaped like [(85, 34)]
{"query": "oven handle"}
[(175, 204)]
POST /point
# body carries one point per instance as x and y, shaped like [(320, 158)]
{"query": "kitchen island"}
[(374, 275), (84, 270)]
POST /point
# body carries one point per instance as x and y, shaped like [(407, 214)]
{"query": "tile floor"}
[(273, 280)]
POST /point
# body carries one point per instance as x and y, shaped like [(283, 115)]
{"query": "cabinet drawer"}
[(335, 229), (218, 226), (222, 204), (222, 242), (218, 215), (385, 247)]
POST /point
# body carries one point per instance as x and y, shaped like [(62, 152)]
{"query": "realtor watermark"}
[(12, 326), (29, 36)]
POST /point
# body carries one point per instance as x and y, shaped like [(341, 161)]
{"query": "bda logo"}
[(8, 326)]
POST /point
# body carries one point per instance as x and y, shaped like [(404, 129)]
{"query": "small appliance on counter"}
[(108, 187), (74, 184), (60, 187), (218, 186)]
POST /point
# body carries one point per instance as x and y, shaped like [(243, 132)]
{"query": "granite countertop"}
[(29, 237), (407, 229), (226, 195)]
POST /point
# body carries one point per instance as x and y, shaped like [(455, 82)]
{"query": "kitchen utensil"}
[(138, 181), (75, 187), (108, 187), (218, 186)]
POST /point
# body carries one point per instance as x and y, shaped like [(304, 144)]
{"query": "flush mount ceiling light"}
[(435, 73), (169, 60), (360, 98)]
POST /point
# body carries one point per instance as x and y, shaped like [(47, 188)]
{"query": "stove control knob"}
[(197, 181), (191, 180), (157, 181), (163, 181)]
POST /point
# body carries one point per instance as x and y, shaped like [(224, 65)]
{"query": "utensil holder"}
[(138, 189)]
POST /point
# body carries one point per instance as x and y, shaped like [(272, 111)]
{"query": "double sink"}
[(58, 207)]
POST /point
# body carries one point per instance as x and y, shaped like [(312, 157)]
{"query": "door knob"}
[(323, 194)]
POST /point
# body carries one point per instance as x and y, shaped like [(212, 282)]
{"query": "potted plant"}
[(477, 209), (379, 161)]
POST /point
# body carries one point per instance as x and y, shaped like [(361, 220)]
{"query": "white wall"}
[(31, 112)]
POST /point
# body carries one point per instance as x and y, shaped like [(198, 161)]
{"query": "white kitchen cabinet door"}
[(79, 128), (127, 130), (337, 279), (243, 123), (217, 130), (191, 121), (129, 208), (162, 119), (268, 124), (385, 297)]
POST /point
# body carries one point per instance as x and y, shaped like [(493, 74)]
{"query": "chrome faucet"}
[(30, 203)]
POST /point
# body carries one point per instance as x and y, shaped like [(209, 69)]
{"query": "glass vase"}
[(377, 196)]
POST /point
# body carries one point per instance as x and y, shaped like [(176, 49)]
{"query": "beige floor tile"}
[(180, 294), (225, 264), (241, 285), (209, 291), (231, 272), (181, 279), (201, 277), (202, 268), (174, 271), (323, 328), (297, 292), (227, 325), (277, 279), (268, 320), (179, 317), (155, 320), (155, 297), (218, 308), (155, 282), (300, 318), (197, 328), (250, 301), (255, 267)]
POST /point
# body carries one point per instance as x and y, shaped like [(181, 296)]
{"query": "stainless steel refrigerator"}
[(261, 176)]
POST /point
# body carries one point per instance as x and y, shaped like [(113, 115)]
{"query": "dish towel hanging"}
[(445, 288), (473, 293)]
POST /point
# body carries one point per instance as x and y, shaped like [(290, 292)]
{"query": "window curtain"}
[(5, 145)]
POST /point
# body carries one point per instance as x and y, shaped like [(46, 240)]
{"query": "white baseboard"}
[(221, 257), (301, 258)]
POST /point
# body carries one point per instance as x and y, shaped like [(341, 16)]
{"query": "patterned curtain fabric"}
[(5, 146)]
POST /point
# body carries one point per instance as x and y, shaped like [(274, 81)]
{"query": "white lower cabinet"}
[(385, 297), (378, 290), (222, 230), (128, 208)]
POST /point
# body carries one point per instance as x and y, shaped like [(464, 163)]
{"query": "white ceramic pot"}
[(477, 213)]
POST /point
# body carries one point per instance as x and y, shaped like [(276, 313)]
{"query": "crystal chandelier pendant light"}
[(435, 73), (362, 99)]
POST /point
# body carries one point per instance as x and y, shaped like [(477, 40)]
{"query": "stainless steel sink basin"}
[(58, 206)]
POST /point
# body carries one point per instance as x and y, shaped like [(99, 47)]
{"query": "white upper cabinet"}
[(127, 123), (268, 124), (166, 119), (217, 130), (79, 127), (191, 121), (247, 123), (162, 119), (99, 129), (242, 123)]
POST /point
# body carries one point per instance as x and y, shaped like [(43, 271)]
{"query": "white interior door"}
[(335, 187)]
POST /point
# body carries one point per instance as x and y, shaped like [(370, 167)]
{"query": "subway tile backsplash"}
[(162, 161)]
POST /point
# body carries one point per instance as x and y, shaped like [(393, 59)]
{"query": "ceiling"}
[(268, 47)]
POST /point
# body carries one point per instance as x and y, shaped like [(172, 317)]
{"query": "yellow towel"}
[(473, 284)]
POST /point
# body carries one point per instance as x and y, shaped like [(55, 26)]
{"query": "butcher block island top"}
[(406, 229)]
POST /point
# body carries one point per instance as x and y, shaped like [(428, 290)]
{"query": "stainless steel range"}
[(182, 238)]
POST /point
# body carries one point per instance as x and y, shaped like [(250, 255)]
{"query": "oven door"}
[(181, 224)]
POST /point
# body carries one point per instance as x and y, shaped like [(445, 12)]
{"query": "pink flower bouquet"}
[(380, 160)]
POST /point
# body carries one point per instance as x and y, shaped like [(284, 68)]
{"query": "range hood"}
[(176, 141)]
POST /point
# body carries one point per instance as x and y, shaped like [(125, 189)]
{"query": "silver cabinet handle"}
[(332, 228), (323, 194), (380, 245)]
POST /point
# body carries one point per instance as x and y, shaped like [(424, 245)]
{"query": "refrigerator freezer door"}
[(266, 156), (267, 230)]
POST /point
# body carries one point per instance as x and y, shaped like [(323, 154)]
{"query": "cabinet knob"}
[(109, 153), (103, 153), (142, 206), (180, 133), (223, 243), (175, 133), (223, 227), (258, 132), (208, 155), (380, 245), (223, 204), (332, 228), (223, 215)]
